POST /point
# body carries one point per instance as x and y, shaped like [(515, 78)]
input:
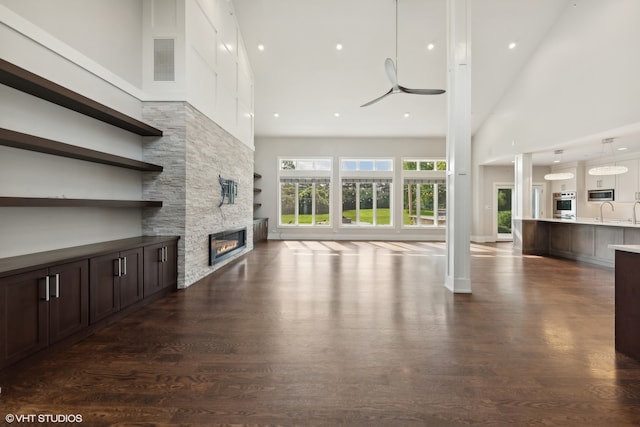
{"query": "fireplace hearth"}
[(226, 243)]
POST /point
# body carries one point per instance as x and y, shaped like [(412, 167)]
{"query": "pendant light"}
[(558, 176), (608, 169)]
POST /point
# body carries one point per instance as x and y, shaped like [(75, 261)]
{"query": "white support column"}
[(458, 274), (523, 178)]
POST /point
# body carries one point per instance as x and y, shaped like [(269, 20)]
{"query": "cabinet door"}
[(131, 277), (599, 182), (153, 256), (627, 183), (170, 266), (69, 299), (23, 315), (104, 295)]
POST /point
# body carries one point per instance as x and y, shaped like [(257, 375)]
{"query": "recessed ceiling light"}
[(339, 46), (512, 45), (407, 114), (336, 114), (276, 115), (622, 148), (261, 47), (431, 46)]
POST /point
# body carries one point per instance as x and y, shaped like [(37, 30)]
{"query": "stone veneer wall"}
[(194, 151)]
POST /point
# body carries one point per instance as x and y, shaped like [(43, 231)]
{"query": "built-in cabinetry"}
[(116, 282), (41, 307), (558, 186), (160, 269), (24, 80), (51, 296), (260, 225), (597, 182), (57, 297), (260, 229), (628, 184), (256, 191)]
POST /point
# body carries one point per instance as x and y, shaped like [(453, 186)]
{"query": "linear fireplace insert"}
[(226, 243)]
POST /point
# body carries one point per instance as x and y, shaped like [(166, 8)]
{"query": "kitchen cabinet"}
[(559, 186), (41, 307), (599, 182), (628, 184), (116, 282), (160, 267)]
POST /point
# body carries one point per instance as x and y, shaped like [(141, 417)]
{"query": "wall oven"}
[(564, 205)]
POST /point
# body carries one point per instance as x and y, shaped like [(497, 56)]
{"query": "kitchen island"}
[(584, 239), (627, 315)]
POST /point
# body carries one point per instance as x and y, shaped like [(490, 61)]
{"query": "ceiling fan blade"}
[(377, 99), (422, 91), (390, 67)]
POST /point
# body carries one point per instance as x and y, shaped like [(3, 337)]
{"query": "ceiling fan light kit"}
[(392, 74)]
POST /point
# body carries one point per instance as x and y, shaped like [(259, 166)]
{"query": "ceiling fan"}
[(392, 74)]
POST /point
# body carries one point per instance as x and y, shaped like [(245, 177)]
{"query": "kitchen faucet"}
[(634, 211), (605, 203)]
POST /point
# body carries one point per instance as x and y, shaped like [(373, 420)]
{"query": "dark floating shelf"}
[(26, 81), (257, 190), (24, 141), (256, 175), (59, 202)]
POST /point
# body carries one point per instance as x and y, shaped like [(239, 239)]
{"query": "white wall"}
[(582, 80), (107, 31), (266, 164)]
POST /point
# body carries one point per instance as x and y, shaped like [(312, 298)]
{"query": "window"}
[(424, 192), (305, 189), (366, 192)]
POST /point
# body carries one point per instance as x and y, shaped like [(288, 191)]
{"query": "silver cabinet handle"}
[(164, 249), (47, 287), (57, 286), (161, 254), (119, 267), (124, 261)]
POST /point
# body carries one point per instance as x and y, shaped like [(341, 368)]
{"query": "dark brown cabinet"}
[(42, 307), (63, 295), (116, 282), (68, 300), (160, 267)]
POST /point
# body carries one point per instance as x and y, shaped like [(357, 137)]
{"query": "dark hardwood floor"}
[(352, 334)]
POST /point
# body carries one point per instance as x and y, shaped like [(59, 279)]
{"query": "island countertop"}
[(583, 239), (591, 221), (627, 248)]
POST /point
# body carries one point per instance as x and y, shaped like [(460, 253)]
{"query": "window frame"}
[(373, 177), (305, 176), (419, 177)]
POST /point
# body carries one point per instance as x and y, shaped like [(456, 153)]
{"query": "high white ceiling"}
[(301, 76)]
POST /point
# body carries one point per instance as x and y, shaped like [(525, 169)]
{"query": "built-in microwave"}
[(601, 195)]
